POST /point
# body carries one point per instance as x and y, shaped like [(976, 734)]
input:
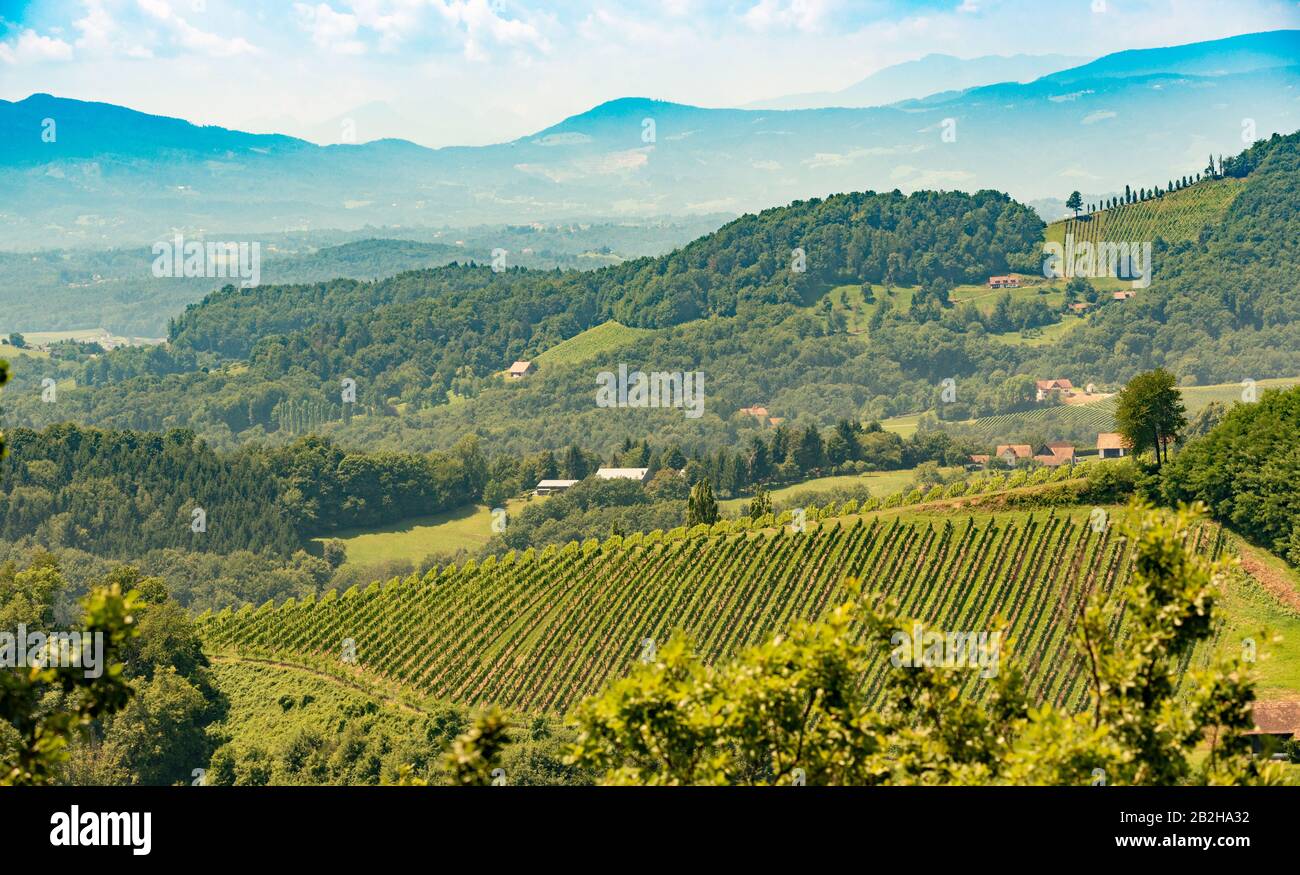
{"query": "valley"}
[(771, 442)]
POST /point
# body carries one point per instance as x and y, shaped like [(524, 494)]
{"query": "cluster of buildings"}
[(760, 413), (550, 487), (1110, 445)]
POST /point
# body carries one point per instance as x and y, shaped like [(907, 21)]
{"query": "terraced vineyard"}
[(1177, 216), (536, 633)]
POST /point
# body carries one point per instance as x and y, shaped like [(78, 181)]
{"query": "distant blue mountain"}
[(932, 74), (114, 175), (1236, 54)]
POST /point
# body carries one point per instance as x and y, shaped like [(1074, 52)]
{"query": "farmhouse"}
[(519, 370), (637, 474), (1010, 454), (1004, 282), (1054, 454), (1124, 295), (1080, 307), (1111, 445), (979, 460), (1047, 387), (759, 413), (547, 487)]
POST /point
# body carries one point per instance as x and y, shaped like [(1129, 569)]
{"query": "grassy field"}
[(606, 338), (13, 352), (1177, 216), (850, 303), (903, 426), (256, 688), (881, 483), (1196, 398), (413, 539), (1251, 611)]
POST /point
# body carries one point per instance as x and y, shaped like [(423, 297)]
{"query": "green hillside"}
[(594, 343), (538, 632), (1067, 421), (1179, 215), (1081, 422)]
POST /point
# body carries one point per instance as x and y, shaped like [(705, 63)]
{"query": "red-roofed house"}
[(1004, 282), (1012, 453), (1047, 387), (1054, 454)]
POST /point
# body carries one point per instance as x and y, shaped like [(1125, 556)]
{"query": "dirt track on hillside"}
[(1272, 580)]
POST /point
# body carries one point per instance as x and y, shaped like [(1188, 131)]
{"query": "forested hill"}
[(860, 237), (411, 340), (427, 349), (1222, 307)]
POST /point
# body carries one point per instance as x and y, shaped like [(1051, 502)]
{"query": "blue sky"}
[(445, 72)]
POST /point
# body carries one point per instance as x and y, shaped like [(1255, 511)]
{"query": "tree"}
[(1074, 202), (794, 709), (43, 733), (761, 505), (1149, 412), (1242, 470), (701, 506), (759, 466), (474, 755), (809, 452)]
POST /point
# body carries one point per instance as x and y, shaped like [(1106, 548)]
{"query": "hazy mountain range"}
[(109, 174), (932, 74)]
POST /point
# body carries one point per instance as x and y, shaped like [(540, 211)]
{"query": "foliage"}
[(578, 617), (43, 735), (1149, 413), (1247, 470), (792, 710), (701, 508)]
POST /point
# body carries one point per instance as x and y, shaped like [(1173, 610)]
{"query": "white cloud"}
[(330, 30), (481, 26), (32, 48), (187, 36), (803, 15), (101, 33)]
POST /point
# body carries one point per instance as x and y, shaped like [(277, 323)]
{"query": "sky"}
[(471, 72)]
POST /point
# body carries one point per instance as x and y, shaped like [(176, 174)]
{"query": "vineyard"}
[(591, 344), (1179, 215), (538, 632), (1080, 422)]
